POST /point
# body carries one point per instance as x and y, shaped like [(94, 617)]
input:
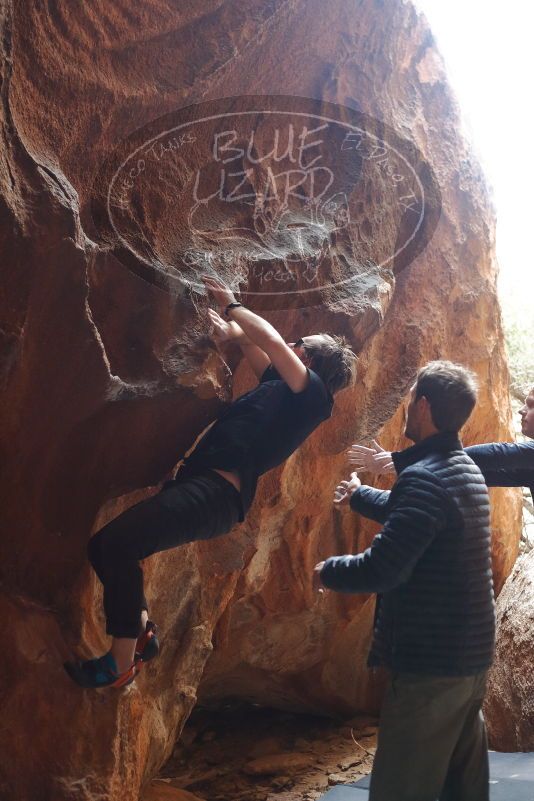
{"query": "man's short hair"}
[(451, 391), (332, 359)]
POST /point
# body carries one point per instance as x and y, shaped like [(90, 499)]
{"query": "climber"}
[(214, 488), (434, 626), (503, 464)]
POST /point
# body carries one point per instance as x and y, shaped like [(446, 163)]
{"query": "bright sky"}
[(488, 49)]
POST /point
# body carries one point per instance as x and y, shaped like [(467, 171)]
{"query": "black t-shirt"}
[(262, 428)]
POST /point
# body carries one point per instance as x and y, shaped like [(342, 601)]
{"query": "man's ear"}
[(425, 403), (427, 409)]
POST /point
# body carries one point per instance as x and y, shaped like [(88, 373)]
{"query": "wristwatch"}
[(233, 305)]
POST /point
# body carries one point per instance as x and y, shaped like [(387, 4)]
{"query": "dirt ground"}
[(244, 752)]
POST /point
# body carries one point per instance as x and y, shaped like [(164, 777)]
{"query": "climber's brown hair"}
[(332, 359)]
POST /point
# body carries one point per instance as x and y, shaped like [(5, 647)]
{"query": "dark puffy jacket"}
[(505, 464), (431, 562)]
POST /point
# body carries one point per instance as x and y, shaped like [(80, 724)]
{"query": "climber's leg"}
[(202, 506)]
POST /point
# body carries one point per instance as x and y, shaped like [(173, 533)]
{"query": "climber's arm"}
[(257, 330), (256, 357), (230, 331)]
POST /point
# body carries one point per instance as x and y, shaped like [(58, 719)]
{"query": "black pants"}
[(432, 740), (195, 507)]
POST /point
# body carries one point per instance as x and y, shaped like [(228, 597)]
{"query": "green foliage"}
[(520, 358), (519, 335)]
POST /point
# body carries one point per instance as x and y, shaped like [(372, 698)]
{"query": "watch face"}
[(284, 198)]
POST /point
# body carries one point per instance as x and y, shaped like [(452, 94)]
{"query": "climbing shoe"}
[(100, 672), (147, 646)]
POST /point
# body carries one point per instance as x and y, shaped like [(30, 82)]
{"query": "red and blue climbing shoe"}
[(147, 645), (100, 672)]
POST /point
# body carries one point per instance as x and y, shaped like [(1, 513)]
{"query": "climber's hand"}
[(225, 330), (219, 291)]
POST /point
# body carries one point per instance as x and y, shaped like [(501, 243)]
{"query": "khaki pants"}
[(432, 740)]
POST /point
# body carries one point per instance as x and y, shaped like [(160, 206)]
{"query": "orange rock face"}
[(108, 373)]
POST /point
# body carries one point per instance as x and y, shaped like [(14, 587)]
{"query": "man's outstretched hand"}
[(371, 460), (219, 291), (342, 494), (345, 489)]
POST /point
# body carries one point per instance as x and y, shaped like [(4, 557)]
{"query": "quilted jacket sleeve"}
[(417, 512), (504, 464), (370, 502)]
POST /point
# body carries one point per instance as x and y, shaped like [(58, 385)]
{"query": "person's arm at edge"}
[(416, 517), (503, 464), (508, 462)]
